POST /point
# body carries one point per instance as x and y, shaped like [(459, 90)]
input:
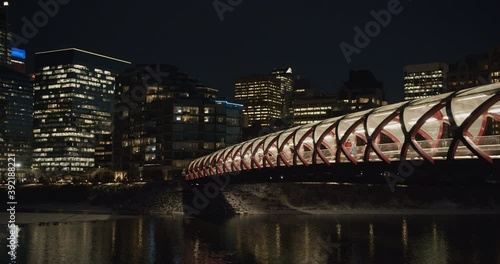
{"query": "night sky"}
[(259, 35)]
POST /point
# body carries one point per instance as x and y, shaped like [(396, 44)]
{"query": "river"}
[(263, 239)]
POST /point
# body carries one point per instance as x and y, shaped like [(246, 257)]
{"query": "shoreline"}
[(46, 216), (254, 199)]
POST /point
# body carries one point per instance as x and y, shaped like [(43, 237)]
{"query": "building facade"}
[(425, 80), (470, 72), (309, 106), (176, 121), (74, 93), (285, 77), (5, 48), (16, 121), (315, 107), (262, 98), (494, 64), (361, 91)]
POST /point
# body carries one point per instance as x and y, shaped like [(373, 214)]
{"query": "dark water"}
[(265, 239)]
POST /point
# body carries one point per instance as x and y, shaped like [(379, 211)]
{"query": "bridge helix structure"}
[(457, 126)]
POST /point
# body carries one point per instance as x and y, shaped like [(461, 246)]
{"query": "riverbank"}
[(314, 198), (270, 198), (56, 218), (135, 198)]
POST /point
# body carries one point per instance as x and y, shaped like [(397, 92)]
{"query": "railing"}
[(437, 149)]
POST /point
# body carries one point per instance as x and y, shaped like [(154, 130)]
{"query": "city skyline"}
[(309, 45), (236, 131)]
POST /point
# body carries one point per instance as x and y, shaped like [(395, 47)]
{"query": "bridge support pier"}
[(206, 200)]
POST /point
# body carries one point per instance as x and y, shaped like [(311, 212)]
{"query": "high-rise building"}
[(262, 97), (176, 121), (285, 77), (16, 121), (362, 91), (470, 72), (4, 34), (424, 80), (74, 93), (309, 105), (494, 64), (315, 107)]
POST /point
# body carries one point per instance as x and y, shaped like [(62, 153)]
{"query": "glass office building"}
[(74, 93), (16, 120), (262, 97), (4, 33), (171, 119), (425, 80)]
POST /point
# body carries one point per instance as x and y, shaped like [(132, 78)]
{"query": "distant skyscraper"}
[(309, 106), (4, 34), (362, 91), (285, 77), (494, 64), (424, 80), (74, 93), (16, 120), (315, 107), (262, 97), (470, 72)]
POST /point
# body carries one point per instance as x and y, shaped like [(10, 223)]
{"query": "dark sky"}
[(259, 35)]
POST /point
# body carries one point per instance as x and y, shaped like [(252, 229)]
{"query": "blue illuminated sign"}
[(18, 53), (228, 103)]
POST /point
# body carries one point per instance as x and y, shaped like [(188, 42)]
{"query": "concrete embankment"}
[(147, 198), (320, 198), (269, 198)]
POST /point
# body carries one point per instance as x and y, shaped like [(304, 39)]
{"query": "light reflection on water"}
[(265, 239)]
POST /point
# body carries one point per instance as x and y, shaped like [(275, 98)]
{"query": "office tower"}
[(262, 98), (16, 121), (309, 105), (424, 80), (4, 34), (469, 72), (362, 91), (315, 107), (301, 87), (285, 77), (494, 64), (175, 121), (74, 92)]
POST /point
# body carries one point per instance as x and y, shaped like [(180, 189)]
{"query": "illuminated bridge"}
[(445, 135)]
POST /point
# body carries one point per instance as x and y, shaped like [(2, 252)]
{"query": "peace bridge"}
[(447, 134)]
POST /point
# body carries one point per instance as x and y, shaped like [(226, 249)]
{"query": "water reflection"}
[(404, 237), (265, 239), (431, 247)]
